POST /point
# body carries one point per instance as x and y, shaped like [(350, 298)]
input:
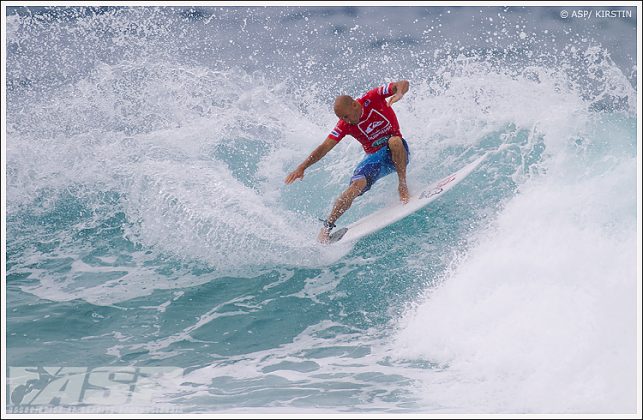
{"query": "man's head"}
[(348, 109)]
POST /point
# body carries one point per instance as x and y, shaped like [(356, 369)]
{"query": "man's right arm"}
[(316, 155)]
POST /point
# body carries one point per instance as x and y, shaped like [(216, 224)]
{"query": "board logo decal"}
[(431, 193), (446, 180)]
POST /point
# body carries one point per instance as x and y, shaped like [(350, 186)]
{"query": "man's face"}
[(350, 113)]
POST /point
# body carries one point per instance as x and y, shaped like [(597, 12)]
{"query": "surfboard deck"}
[(389, 215)]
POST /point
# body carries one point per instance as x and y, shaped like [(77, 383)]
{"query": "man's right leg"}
[(342, 204)]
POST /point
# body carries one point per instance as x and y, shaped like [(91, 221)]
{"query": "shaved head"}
[(347, 109), (342, 104)]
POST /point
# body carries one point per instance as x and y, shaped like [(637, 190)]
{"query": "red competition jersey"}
[(377, 123)]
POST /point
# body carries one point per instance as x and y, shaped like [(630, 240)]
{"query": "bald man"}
[(371, 121)]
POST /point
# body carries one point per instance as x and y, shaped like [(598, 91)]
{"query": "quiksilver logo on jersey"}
[(372, 126), (375, 125)]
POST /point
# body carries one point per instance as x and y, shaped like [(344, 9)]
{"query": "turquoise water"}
[(148, 225)]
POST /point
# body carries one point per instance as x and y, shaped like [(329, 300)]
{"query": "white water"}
[(540, 316)]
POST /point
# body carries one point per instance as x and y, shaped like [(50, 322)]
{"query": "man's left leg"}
[(342, 204), (398, 154)]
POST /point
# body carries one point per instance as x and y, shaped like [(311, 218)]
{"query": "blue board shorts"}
[(377, 165)]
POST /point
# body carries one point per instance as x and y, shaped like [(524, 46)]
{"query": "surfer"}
[(371, 120)]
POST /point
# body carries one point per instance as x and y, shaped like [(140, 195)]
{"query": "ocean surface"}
[(156, 262)]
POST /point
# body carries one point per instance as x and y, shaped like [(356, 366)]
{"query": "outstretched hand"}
[(394, 98), (294, 175)]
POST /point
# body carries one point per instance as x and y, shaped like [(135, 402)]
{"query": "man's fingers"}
[(292, 177), (394, 99)]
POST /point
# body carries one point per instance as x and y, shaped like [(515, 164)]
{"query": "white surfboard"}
[(382, 218)]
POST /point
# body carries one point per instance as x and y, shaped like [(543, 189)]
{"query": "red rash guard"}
[(376, 124)]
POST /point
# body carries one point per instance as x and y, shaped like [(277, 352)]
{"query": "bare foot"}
[(324, 235), (404, 193)]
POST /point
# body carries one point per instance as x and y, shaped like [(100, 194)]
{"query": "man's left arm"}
[(399, 89)]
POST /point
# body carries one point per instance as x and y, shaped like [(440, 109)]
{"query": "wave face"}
[(148, 224)]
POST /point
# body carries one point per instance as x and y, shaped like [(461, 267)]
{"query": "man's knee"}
[(395, 142), (358, 185), (353, 191)]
